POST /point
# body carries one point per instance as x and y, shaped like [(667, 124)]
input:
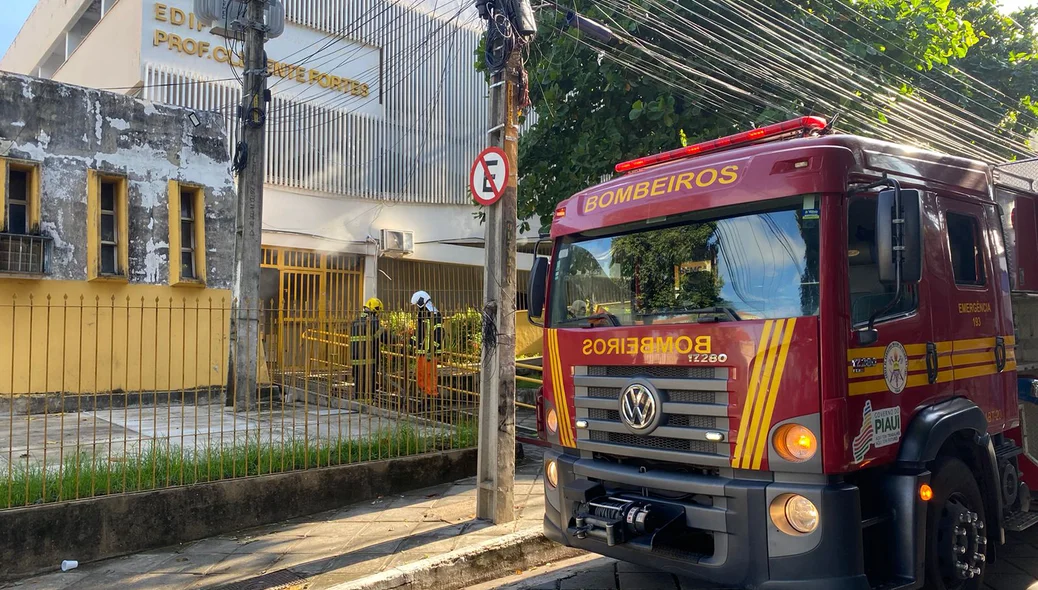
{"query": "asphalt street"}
[(1016, 569)]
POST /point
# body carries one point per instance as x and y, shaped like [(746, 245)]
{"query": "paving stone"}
[(329, 548), (1028, 565), (133, 564), (214, 545), (319, 545), (1009, 581), (598, 579), (195, 563), (625, 567), (418, 554), (57, 581), (268, 544), (339, 529), (647, 581), (211, 580), (357, 564), (437, 529), (246, 562), (325, 581), (1018, 549), (137, 581), (1003, 566), (302, 561)]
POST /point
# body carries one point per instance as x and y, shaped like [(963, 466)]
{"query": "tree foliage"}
[(596, 105)]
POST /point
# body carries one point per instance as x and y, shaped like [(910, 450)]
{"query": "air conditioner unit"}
[(397, 242)]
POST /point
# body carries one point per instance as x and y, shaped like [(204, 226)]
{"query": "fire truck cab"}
[(793, 364)]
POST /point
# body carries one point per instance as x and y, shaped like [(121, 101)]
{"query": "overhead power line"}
[(746, 59)]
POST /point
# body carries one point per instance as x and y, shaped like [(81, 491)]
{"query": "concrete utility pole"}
[(249, 226), (496, 465)]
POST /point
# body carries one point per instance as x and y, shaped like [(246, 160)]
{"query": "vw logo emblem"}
[(640, 407)]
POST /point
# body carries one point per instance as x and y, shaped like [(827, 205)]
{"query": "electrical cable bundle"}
[(500, 41)]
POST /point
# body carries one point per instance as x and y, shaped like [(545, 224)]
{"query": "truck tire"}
[(956, 538)]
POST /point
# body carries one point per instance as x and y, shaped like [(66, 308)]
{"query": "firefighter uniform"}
[(366, 335), (428, 342)]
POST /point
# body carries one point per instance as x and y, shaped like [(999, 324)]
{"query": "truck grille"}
[(694, 401), (671, 420), (660, 372), (654, 442)]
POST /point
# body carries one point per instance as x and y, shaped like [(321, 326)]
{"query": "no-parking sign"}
[(489, 176)]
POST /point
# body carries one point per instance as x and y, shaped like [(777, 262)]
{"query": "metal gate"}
[(318, 293)]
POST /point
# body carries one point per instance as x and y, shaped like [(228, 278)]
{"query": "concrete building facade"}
[(116, 241), (376, 116)]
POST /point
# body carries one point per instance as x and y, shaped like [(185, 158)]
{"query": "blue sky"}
[(15, 13)]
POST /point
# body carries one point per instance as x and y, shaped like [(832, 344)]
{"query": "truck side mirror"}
[(535, 289), (911, 237)]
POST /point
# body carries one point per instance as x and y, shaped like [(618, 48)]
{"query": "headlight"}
[(551, 471), (552, 421), (795, 443), (794, 514)]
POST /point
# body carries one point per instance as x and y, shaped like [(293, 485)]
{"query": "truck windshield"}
[(751, 264)]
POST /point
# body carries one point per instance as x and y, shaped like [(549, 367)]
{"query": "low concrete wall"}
[(54, 403), (35, 539)]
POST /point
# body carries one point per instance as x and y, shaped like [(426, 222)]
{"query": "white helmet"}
[(422, 299)]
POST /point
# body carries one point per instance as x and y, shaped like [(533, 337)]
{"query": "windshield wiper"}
[(613, 320), (728, 314)]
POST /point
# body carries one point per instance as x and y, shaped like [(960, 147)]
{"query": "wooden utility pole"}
[(496, 464), (249, 226)]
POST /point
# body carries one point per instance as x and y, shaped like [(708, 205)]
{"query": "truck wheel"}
[(956, 539)]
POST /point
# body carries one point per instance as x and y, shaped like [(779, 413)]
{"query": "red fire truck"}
[(792, 364)]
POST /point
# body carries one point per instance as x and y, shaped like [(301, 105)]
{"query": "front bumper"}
[(726, 534)]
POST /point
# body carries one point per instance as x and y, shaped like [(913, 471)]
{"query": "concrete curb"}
[(472, 565)]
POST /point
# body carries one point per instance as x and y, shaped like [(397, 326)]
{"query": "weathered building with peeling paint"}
[(375, 119), (116, 242)]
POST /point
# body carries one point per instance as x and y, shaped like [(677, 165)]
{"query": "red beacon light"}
[(803, 124)]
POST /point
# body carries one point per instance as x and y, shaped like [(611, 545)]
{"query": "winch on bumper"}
[(708, 527)]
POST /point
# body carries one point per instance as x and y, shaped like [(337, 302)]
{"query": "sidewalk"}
[(319, 551)]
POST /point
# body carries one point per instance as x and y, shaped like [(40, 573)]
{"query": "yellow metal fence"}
[(114, 395)]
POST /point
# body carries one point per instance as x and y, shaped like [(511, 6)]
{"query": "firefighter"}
[(428, 340), (366, 336)]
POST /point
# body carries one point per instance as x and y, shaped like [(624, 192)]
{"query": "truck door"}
[(1005, 360), (904, 332), (972, 315)]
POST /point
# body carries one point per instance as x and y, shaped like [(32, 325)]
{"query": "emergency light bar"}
[(802, 124)]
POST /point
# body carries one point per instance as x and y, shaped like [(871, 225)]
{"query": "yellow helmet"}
[(374, 304)]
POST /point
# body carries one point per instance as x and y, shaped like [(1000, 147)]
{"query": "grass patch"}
[(162, 464)]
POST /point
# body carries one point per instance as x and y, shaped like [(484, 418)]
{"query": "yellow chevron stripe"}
[(561, 405), (555, 385), (751, 391), (762, 437), (758, 402), (570, 435), (550, 357)]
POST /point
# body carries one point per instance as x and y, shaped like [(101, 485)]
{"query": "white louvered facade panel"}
[(416, 146)]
